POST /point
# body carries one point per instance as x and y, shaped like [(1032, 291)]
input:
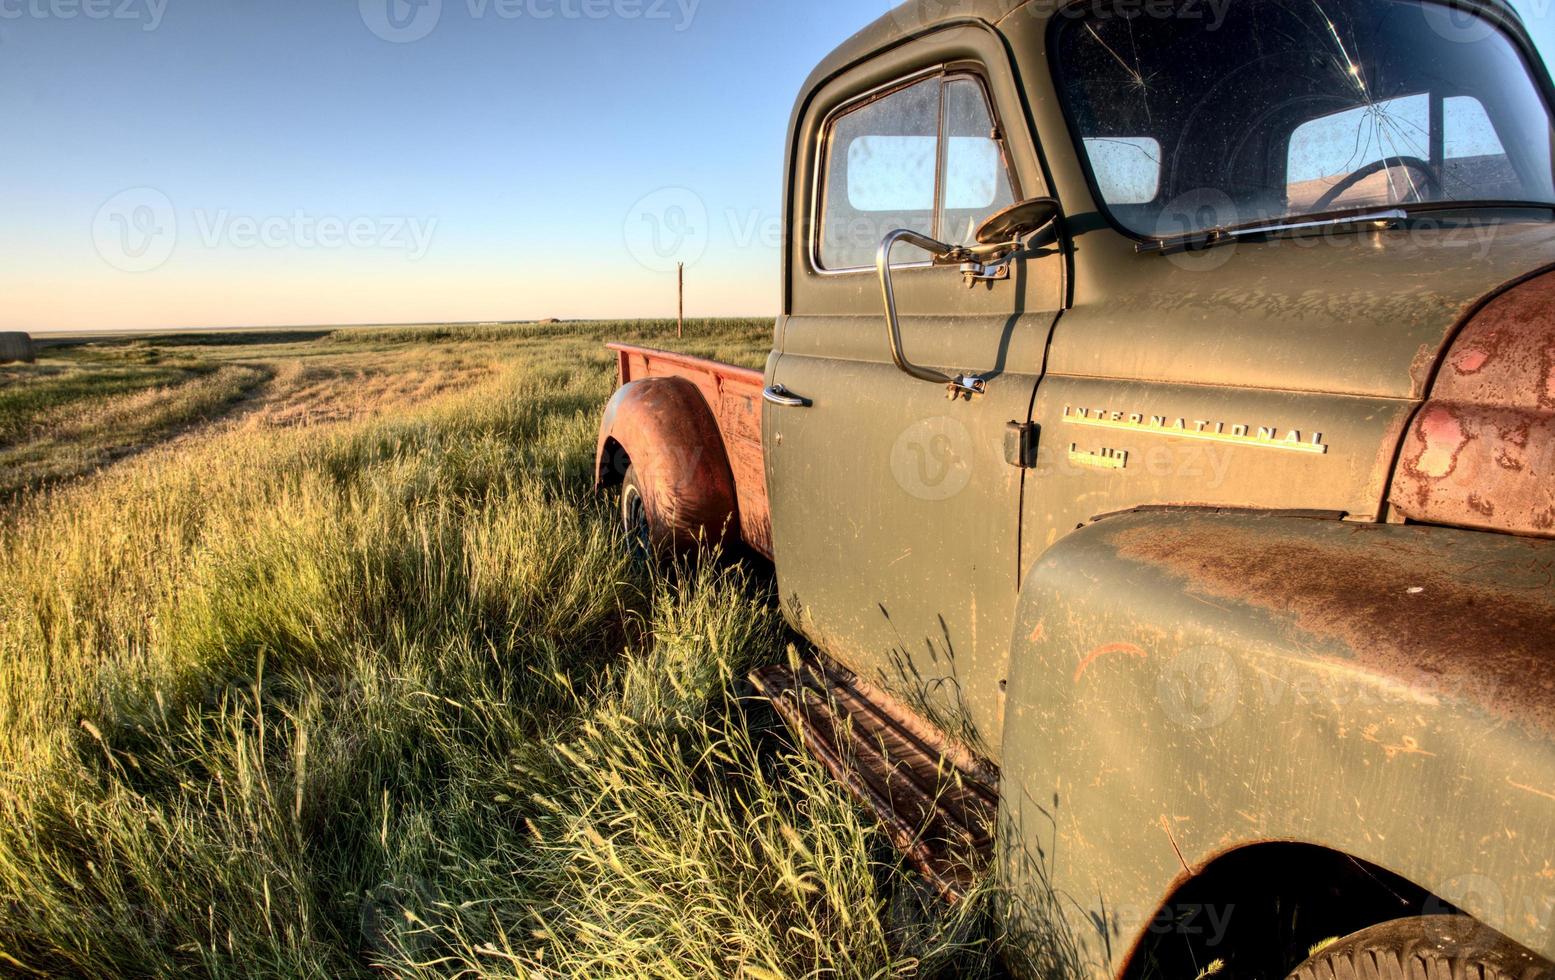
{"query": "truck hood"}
[(1362, 314)]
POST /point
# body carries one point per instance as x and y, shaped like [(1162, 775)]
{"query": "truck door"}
[(896, 512)]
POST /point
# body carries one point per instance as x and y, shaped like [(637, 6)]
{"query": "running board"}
[(936, 801)]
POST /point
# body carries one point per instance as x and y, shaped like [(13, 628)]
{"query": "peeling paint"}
[(1481, 452), (1102, 651)]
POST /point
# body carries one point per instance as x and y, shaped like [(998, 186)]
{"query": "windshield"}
[(1271, 110)]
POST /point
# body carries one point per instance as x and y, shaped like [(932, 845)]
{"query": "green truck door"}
[(896, 513)]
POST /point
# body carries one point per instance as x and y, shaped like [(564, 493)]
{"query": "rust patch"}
[(1505, 355), (1479, 466), (1443, 438), (1469, 361), (1441, 613), (1481, 452)]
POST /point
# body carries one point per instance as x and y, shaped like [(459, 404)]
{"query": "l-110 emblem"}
[(1102, 459)]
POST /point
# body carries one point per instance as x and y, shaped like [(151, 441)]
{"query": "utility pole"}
[(680, 323)]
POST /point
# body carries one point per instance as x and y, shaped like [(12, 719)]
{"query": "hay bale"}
[(16, 347)]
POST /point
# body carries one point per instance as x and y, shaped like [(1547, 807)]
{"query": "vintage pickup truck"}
[(1158, 448)]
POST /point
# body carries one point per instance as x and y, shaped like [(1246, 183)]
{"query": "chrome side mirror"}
[(999, 239), (1003, 235)]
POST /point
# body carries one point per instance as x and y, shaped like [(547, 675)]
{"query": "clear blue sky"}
[(327, 161)]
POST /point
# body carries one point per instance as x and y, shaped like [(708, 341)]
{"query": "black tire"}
[(1432, 947), (634, 515)]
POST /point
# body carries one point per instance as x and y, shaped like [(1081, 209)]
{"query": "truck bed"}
[(734, 396)]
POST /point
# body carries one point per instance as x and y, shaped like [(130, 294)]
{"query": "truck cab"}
[(1160, 427)]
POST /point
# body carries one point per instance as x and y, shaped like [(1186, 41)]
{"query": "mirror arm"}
[(943, 254)]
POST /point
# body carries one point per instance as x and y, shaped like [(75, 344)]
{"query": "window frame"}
[(821, 173)]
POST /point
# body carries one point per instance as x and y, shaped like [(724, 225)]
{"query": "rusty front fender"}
[(1481, 451), (665, 429), (1186, 685)]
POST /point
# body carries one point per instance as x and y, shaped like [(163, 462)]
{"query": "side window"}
[(976, 182), (923, 158)]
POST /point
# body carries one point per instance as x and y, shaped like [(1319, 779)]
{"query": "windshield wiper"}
[(1199, 240)]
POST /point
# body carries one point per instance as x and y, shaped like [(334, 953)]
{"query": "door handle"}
[(779, 395)]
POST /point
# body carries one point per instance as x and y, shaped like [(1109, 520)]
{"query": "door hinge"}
[(1020, 444)]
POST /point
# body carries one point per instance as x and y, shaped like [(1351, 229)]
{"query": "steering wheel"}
[(1326, 202)]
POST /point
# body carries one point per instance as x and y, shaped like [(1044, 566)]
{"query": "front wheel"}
[(1432, 947)]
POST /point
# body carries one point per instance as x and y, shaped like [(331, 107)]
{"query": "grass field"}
[(318, 657)]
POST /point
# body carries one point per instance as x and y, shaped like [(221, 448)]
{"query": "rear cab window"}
[(1472, 157)]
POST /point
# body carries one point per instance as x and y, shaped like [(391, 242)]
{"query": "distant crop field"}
[(320, 657)]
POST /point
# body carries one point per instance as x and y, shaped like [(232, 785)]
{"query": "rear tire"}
[(1432, 947), (634, 515)]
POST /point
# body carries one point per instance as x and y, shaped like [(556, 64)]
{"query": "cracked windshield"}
[(1282, 109)]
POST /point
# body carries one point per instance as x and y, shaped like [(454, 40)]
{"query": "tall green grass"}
[(390, 697)]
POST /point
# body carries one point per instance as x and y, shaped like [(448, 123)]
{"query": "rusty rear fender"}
[(1184, 685), (664, 427)]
